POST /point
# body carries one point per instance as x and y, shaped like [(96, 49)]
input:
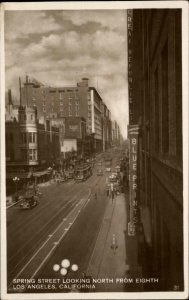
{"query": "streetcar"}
[(83, 172)]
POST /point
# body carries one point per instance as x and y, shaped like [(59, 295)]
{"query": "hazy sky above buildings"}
[(58, 48)]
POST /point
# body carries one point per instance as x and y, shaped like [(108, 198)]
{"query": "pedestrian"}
[(107, 192), (112, 196)]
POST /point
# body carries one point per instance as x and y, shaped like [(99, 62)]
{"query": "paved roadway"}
[(29, 231)]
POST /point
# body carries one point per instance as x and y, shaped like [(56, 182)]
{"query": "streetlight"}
[(16, 180)]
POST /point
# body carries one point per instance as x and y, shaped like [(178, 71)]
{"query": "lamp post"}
[(16, 180)]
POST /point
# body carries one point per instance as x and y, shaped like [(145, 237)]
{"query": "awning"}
[(41, 173)]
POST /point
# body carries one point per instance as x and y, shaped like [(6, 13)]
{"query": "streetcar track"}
[(74, 200), (41, 208), (66, 213)]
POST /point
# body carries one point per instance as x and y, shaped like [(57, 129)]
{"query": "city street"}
[(65, 224)]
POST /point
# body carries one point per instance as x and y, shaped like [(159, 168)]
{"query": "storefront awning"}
[(41, 173)]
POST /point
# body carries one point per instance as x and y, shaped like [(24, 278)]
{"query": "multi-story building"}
[(115, 133), (31, 147), (155, 112), (106, 127), (79, 101)]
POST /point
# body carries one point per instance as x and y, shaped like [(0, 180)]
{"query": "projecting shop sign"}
[(133, 131)]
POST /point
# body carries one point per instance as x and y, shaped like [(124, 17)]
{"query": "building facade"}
[(155, 108), (79, 101), (116, 136), (31, 146)]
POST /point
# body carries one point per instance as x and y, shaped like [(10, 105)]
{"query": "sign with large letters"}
[(130, 61), (133, 132)]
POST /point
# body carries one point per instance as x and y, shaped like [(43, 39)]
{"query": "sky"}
[(59, 47)]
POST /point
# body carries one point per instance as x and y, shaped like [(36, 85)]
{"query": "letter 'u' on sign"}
[(134, 141)]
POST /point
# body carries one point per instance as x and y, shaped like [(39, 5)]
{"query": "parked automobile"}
[(30, 201), (61, 178), (70, 174)]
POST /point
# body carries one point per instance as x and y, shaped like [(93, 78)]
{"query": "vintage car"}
[(70, 174), (61, 178), (30, 201)]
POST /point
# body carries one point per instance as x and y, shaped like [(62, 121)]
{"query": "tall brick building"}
[(77, 101), (155, 106)]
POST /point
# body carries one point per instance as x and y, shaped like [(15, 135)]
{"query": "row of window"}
[(61, 104), (29, 117), (71, 95), (31, 137)]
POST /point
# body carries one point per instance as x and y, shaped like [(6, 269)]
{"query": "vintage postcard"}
[(94, 150)]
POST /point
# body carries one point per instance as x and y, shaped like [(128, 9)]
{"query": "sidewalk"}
[(109, 256), (115, 252)]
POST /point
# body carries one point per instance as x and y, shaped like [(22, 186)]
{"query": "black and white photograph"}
[(94, 150)]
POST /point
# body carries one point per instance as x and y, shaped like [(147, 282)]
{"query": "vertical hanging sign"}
[(130, 61), (133, 131)]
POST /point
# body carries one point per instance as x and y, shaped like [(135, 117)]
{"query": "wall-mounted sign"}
[(130, 61), (133, 131)]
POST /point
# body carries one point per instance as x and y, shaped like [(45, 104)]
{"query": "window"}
[(61, 108), (44, 109), (32, 137), (70, 113), (77, 113), (61, 95), (32, 154), (165, 100), (61, 102), (31, 117)]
